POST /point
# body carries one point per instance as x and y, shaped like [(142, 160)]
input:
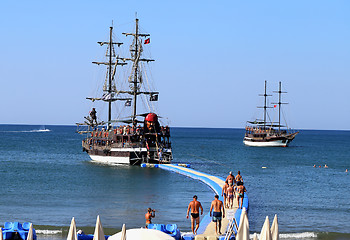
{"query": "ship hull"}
[(277, 143), (110, 160), (128, 156), (280, 141)]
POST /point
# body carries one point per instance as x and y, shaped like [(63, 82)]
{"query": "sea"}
[(47, 179)]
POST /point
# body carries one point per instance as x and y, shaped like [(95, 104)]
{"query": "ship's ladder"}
[(232, 229)]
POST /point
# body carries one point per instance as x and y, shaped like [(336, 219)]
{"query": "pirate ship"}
[(132, 138), (266, 133)]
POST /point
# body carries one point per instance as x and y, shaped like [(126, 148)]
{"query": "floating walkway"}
[(206, 228)]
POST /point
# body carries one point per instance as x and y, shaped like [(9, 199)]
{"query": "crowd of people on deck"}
[(260, 130), (232, 188)]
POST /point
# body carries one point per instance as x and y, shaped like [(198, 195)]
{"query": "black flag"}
[(154, 97), (128, 103)]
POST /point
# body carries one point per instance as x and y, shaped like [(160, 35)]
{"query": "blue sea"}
[(47, 179)]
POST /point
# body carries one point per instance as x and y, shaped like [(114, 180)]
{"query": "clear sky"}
[(212, 58)]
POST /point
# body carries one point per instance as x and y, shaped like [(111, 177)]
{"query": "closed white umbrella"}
[(265, 231), (243, 229), (99, 234), (123, 237), (274, 229), (1, 236), (142, 234), (30, 232), (72, 233)]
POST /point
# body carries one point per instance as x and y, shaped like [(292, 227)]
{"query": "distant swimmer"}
[(218, 213), (224, 193), (194, 206), (239, 177), (151, 213), (315, 165), (325, 166), (346, 170), (240, 190)]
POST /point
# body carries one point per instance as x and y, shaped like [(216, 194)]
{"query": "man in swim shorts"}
[(218, 213), (224, 193), (230, 195), (239, 178), (240, 191), (230, 179), (194, 207)]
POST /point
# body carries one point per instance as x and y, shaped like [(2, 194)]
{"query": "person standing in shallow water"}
[(218, 213), (194, 206), (151, 213)]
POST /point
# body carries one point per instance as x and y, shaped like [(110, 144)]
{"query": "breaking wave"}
[(48, 232), (302, 235), (30, 131)]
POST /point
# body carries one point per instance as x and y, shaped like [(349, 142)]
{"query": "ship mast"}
[(110, 88), (110, 77), (135, 79), (135, 73), (279, 104), (265, 102)]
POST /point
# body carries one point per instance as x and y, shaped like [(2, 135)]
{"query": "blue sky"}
[(212, 58)]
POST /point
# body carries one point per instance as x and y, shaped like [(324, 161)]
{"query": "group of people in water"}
[(233, 187)]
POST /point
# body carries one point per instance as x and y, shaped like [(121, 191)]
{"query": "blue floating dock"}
[(215, 183)]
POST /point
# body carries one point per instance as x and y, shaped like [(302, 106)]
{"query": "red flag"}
[(147, 41), (274, 106)]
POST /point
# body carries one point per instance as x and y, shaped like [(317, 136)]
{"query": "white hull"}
[(116, 160), (110, 160), (277, 143)]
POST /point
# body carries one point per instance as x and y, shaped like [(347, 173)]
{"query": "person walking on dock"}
[(224, 193), (194, 206), (218, 213), (240, 190), (239, 177), (230, 179), (230, 195), (151, 213)]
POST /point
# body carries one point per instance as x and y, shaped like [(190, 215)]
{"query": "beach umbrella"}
[(1, 236), (243, 229), (30, 232), (255, 236), (142, 234), (265, 231), (99, 234), (72, 233), (274, 229), (123, 237)]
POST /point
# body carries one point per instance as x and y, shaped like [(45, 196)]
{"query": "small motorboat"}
[(16, 231)]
